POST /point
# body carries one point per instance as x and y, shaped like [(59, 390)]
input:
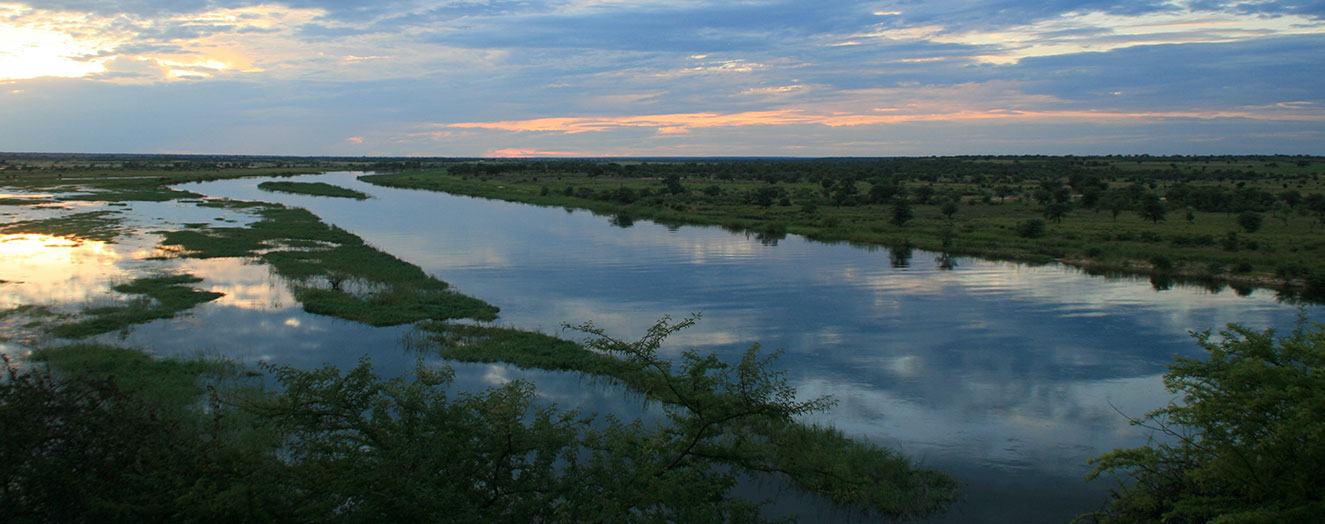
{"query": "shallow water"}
[(1007, 376)]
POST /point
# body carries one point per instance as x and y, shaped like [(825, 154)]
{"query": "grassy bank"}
[(313, 188), (1106, 216)]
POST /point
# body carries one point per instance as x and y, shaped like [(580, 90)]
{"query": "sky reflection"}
[(1006, 375)]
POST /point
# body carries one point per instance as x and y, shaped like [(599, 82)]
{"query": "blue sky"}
[(662, 78)]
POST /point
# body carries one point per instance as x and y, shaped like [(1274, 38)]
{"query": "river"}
[(1007, 376)]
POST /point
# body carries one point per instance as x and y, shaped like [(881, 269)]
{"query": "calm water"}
[(1007, 376)]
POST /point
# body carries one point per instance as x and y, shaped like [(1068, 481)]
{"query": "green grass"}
[(313, 188), (95, 225), (334, 272), (168, 382), (158, 298), (526, 349), (28, 310)]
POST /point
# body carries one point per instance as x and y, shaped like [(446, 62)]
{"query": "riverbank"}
[(1212, 249)]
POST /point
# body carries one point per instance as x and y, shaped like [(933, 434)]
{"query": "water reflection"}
[(1008, 375), (42, 269)]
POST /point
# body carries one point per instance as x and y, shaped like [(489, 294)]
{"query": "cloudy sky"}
[(663, 77)]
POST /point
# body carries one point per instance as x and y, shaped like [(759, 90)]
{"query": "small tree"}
[(1250, 221), (950, 208), (1033, 228), (1152, 209), (1246, 443), (902, 213), (1056, 211)]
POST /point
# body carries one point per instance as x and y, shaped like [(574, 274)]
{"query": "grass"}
[(526, 349), (28, 310), (95, 225), (168, 382), (313, 188), (334, 272), (158, 298)]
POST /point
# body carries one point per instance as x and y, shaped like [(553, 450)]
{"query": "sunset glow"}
[(436, 78)]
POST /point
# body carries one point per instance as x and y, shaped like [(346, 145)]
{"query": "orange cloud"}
[(525, 153), (676, 123)]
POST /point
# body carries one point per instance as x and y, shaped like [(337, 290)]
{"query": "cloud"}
[(528, 153), (684, 77)]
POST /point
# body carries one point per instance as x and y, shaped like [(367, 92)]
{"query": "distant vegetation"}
[(1245, 221), (313, 188)]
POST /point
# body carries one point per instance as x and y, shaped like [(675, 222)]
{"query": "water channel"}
[(1007, 376)]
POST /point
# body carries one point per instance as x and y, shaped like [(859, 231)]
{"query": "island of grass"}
[(1217, 221), (101, 226), (332, 271), (155, 298), (313, 188)]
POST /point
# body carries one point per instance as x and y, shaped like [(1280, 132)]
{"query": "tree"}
[(1152, 208), (902, 213), (673, 184), (950, 208), (1116, 202), (1033, 228), (1250, 221), (1056, 211), (1243, 445)]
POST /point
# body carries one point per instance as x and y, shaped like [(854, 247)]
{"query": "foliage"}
[(737, 415), (1250, 221), (84, 447), (1243, 445), (902, 213), (127, 433), (1033, 228)]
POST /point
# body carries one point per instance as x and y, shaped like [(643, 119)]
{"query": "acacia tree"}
[(1250, 221), (1152, 208), (1243, 445), (902, 213)]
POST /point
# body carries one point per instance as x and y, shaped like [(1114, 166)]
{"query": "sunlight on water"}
[(44, 269), (1006, 375)]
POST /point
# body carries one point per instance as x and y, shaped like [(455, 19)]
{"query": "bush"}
[(1250, 221), (1033, 228), (1161, 263), (1245, 441)]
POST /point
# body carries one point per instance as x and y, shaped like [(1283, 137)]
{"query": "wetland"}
[(1006, 376)]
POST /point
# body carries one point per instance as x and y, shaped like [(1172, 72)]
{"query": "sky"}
[(620, 78)]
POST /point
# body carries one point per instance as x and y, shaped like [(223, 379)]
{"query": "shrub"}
[(1161, 263), (1033, 228), (1246, 443)]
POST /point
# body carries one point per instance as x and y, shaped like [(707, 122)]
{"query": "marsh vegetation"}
[(205, 439)]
